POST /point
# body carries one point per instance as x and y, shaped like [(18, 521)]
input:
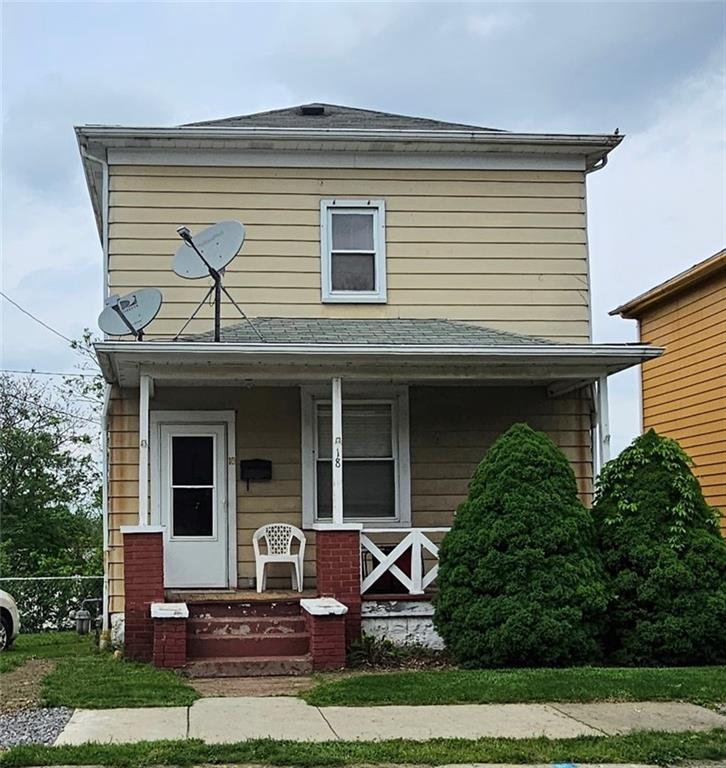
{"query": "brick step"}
[(250, 666), (242, 608), (234, 626), (213, 646)]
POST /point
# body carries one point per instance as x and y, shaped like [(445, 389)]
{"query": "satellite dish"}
[(130, 313), (217, 244)]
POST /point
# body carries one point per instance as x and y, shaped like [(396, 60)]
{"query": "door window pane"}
[(192, 511), (353, 272), (352, 231), (369, 489), (192, 460)]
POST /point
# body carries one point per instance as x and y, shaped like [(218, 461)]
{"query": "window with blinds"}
[(369, 460)]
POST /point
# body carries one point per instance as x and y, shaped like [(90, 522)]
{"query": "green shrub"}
[(664, 557), (520, 580)]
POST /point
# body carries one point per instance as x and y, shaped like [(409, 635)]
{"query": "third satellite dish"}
[(130, 313), (218, 244)]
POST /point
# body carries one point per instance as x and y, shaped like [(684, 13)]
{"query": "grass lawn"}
[(87, 677), (701, 685), (653, 748), (45, 645)]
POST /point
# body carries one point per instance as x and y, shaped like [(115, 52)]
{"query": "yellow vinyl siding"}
[(683, 392), (450, 431), (502, 248)]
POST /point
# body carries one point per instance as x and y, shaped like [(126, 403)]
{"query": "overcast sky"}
[(656, 71)]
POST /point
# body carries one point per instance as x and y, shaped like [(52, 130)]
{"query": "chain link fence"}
[(45, 602)]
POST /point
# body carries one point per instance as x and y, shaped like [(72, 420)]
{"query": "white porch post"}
[(337, 451), (144, 395), (603, 420)]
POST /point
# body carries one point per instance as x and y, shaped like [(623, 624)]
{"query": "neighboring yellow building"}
[(425, 282), (684, 392)]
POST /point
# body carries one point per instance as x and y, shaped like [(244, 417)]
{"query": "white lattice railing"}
[(423, 550)]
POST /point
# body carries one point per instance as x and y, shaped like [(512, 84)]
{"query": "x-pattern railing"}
[(417, 541)]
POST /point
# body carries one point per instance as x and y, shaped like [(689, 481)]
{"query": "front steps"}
[(239, 637)]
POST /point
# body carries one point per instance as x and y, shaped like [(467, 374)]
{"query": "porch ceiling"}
[(561, 366)]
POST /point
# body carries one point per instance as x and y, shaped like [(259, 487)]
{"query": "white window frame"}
[(379, 294), (397, 397)]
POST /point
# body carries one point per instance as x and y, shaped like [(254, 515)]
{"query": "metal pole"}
[(217, 304)]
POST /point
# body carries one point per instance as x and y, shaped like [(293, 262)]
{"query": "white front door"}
[(193, 504)]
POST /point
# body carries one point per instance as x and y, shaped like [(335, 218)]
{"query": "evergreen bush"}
[(664, 557), (520, 580)]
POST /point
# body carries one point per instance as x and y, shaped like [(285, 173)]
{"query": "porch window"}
[(353, 258), (376, 481), (369, 461)]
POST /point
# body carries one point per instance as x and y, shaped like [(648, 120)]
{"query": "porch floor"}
[(235, 595)]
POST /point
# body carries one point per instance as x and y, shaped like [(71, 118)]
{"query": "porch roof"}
[(306, 350)]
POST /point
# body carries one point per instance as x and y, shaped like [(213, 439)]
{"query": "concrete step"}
[(213, 646), (250, 666), (233, 626), (242, 608)]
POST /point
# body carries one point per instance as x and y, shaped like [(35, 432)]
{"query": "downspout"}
[(104, 506), (595, 423), (107, 393), (104, 213)]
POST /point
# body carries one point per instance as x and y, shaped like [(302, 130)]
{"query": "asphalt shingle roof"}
[(335, 116), (309, 330)]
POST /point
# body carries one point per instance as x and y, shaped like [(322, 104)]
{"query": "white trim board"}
[(345, 159)]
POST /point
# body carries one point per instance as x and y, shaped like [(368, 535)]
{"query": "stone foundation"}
[(117, 630), (403, 622)]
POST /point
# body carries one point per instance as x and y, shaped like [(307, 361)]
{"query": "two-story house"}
[(414, 288)]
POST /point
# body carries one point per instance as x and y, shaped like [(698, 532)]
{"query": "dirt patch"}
[(251, 686), (21, 687)]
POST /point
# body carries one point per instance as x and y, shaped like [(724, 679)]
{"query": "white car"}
[(9, 620)]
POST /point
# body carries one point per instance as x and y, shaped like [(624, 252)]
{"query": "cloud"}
[(487, 25), (657, 208)]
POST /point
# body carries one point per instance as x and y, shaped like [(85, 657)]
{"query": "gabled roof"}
[(634, 308), (319, 115), (383, 332)]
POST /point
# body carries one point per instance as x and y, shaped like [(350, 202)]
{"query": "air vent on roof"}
[(312, 109)]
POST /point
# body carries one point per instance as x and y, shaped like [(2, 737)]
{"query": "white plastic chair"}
[(278, 539)]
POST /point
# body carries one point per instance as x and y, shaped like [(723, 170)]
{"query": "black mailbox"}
[(255, 469)]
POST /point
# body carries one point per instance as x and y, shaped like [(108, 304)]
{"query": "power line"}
[(33, 317), (33, 372), (80, 350), (51, 408)]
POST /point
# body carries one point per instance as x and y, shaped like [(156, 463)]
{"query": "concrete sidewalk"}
[(229, 719)]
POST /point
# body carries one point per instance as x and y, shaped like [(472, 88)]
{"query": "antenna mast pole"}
[(214, 274)]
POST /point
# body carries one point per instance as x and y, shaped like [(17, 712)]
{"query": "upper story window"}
[(353, 250)]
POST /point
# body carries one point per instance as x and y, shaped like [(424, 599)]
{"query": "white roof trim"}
[(123, 361), (155, 348), (101, 132)]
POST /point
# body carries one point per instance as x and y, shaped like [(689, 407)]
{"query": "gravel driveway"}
[(33, 726), (22, 720)]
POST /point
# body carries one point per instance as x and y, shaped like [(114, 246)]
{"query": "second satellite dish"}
[(218, 244), (130, 314)]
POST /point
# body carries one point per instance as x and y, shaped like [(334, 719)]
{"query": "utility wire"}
[(51, 408), (33, 317), (33, 372), (45, 325)]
